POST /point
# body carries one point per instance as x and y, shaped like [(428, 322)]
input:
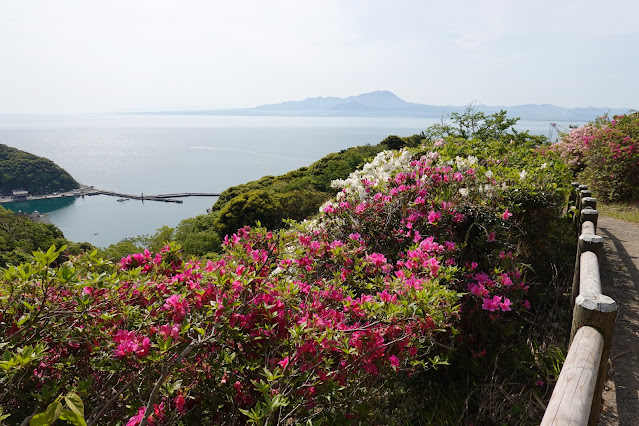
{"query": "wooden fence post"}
[(589, 278), (589, 202), (582, 192), (574, 392), (587, 243), (589, 215), (587, 228), (598, 311), (572, 198)]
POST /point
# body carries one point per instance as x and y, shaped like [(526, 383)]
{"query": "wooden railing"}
[(576, 399)]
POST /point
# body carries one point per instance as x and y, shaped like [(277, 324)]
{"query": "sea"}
[(160, 154)]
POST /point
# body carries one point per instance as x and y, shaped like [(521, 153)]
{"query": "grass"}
[(628, 211)]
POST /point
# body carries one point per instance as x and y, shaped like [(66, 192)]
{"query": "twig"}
[(95, 417), (167, 370), (618, 356)]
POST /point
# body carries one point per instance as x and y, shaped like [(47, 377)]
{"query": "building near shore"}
[(20, 194)]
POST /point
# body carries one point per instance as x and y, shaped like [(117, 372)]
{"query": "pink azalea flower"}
[(179, 403), (177, 305), (493, 304), (283, 363), (137, 419), (506, 215), (434, 217), (394, 361), (458, 218), (505, 305), (505, 280), (376, 259), (168, 330)]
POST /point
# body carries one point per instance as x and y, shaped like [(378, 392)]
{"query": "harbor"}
[(90, 191)]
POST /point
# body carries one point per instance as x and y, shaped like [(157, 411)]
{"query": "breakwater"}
[(89, 191), (167, 198)]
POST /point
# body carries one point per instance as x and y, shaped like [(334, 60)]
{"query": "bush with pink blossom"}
[(423, 263), (605, 154)]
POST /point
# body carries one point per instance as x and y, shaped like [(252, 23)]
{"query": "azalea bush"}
[(257, 336), (425, 265), (605, 154)]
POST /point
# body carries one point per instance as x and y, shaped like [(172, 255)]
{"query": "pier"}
[(89, 190), (167, 198)]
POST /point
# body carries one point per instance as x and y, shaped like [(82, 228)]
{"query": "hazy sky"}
[(118, 55)]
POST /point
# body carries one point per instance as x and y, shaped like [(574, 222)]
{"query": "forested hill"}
[(38, 175)]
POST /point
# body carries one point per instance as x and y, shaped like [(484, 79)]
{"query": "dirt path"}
[(620, 280)]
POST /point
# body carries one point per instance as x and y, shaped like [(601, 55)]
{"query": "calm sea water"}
[(155, 154)]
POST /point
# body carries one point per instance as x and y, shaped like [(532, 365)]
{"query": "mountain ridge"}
[(384, 103)]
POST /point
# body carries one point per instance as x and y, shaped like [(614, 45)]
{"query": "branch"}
[(111, 401), (167, 370)]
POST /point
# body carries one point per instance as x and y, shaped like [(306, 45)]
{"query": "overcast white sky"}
[(118, 55)]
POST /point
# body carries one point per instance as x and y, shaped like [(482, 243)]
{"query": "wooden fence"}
[(576, 399)]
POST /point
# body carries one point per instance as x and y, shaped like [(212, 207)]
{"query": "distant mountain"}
[(386, 104)]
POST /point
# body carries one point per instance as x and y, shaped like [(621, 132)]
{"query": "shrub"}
[(605, 154), (418, 263)]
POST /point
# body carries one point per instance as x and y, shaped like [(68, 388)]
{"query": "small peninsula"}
[(20, 170)]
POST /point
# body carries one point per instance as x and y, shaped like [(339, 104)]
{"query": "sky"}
[(75, 56)]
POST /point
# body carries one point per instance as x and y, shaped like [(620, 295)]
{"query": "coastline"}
[(90, 190), (80, 192)]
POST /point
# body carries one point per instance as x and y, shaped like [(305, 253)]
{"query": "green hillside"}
[(37, 175)]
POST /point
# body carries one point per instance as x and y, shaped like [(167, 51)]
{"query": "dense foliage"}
[(37, 175), (394, 305), (605, 154), (20, 236)]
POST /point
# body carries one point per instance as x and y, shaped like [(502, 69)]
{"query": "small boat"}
[(123, 199)]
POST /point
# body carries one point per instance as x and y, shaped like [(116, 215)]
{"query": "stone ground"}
[(620, 280)]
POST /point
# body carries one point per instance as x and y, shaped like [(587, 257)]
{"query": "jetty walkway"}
[(89, 191), (167, 198)]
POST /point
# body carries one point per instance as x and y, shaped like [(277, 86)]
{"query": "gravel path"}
[(620, 280)]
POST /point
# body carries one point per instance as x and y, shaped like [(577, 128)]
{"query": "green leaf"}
[(47, 418), (75, 404), (72, 418)]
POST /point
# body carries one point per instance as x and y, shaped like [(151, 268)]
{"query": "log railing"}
[(576, 399)]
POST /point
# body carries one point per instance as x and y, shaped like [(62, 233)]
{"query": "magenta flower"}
[(283, 363), (505, 305), (493, 304), (131, 344), (177, 305), (168, 330), (434, 217), (376, 259), (506, 215), (179, 403), (394, 361), (328, 209)]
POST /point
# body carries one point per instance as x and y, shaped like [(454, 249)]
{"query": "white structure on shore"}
[(19, 194)]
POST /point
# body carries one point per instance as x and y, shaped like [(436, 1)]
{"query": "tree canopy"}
[(37, 175)]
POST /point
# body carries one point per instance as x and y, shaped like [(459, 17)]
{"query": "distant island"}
[(22, 171), (386, 104)]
